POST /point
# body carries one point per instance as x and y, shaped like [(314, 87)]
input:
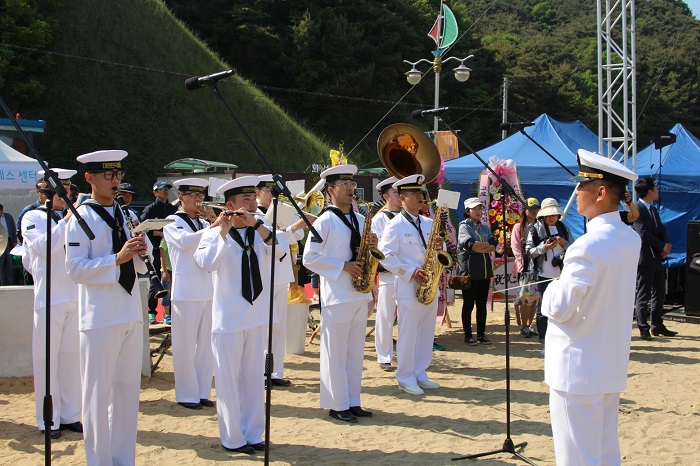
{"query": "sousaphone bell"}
[(406, 150)]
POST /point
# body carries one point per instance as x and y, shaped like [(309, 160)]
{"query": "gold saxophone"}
[(436, 260), (370, 256)]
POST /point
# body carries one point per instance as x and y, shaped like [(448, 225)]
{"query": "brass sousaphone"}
[(406, 150)]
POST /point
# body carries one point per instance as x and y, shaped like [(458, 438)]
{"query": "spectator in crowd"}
[(475, 245), (158, 209), (651, 278), (525, 308), (547, 241)]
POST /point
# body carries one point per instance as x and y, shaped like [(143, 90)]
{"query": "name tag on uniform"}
[(401, 272), (31, 227), (73, 244)]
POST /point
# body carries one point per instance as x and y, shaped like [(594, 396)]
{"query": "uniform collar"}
[(607, 218)]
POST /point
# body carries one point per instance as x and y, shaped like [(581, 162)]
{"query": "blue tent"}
[(540, 176), (679, 186)]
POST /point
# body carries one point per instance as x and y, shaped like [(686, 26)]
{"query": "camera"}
[(558, 261)]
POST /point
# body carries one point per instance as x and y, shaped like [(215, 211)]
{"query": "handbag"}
[(460, 282), (529, 293)]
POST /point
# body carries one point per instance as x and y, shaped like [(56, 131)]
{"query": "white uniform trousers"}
[(65, 364), (384, 319), (110, 364), (584, 428), (279, 330), (239, 364), (343, 328), (193, 359), (414, 344)]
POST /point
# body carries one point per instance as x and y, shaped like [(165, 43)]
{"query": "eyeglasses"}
[(195, 195), (110, 175), (347, 184)]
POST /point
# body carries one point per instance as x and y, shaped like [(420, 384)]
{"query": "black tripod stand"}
[(279, 188), (508, 445), (53, 184)]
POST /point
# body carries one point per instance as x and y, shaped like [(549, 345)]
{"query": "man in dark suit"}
[(8, 231), (651, 285)]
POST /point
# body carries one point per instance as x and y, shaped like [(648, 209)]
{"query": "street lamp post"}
[(414, 76)]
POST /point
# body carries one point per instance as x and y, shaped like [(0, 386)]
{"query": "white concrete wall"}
[(16, 320)]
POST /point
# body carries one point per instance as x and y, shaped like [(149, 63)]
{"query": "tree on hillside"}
[(23, 29)]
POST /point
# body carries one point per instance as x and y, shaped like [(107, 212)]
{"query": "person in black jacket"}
[(160, 208), (475, 245)]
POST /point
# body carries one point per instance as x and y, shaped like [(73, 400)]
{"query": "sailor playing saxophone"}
[(343, 308), (404, 244)]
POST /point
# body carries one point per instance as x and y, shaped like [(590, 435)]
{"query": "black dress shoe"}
[(663, 331), (258, 446), (73, 427), (207, 403), (346, 416), (55, 434), (280, 382), (190, 405), (247, 449), (359, 412), (645, 335)]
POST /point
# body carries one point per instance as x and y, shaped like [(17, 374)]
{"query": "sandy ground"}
[(659, 417)]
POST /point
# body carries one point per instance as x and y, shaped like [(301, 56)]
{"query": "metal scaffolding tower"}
[(617, 84)]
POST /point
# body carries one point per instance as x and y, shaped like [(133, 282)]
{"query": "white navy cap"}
[(265, 181), (410, 183), (242, 185), (384, 186), (472, 202), (63, 175), (594, 166), (339, 172), (197, 185), (103, 160)]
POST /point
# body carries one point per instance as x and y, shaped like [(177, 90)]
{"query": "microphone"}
[(518, 125), (431, 112), (195, 82)]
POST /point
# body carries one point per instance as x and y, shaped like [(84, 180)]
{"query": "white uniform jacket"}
[(379, 222), (404, 252), (284, 272), (328, 258), (92, 265), (589, 306), (222, 257), (190, 281), (63, 290)]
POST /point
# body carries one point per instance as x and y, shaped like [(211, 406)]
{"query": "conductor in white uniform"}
[(588, 338), (192, 294), (111, 319), (404, 245), (343, 309), (65, 343), (238, 254)]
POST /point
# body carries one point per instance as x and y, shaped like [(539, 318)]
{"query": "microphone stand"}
[(508, 445), (279, 188), (56, 186)]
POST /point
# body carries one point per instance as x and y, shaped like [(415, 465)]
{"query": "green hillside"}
[(118, 82)]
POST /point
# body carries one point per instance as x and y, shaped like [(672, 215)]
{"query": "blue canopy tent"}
[(540, 176), (677, 166)]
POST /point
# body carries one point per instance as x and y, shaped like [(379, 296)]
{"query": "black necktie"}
[(127, 274), (654, 217), (250, 269)]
